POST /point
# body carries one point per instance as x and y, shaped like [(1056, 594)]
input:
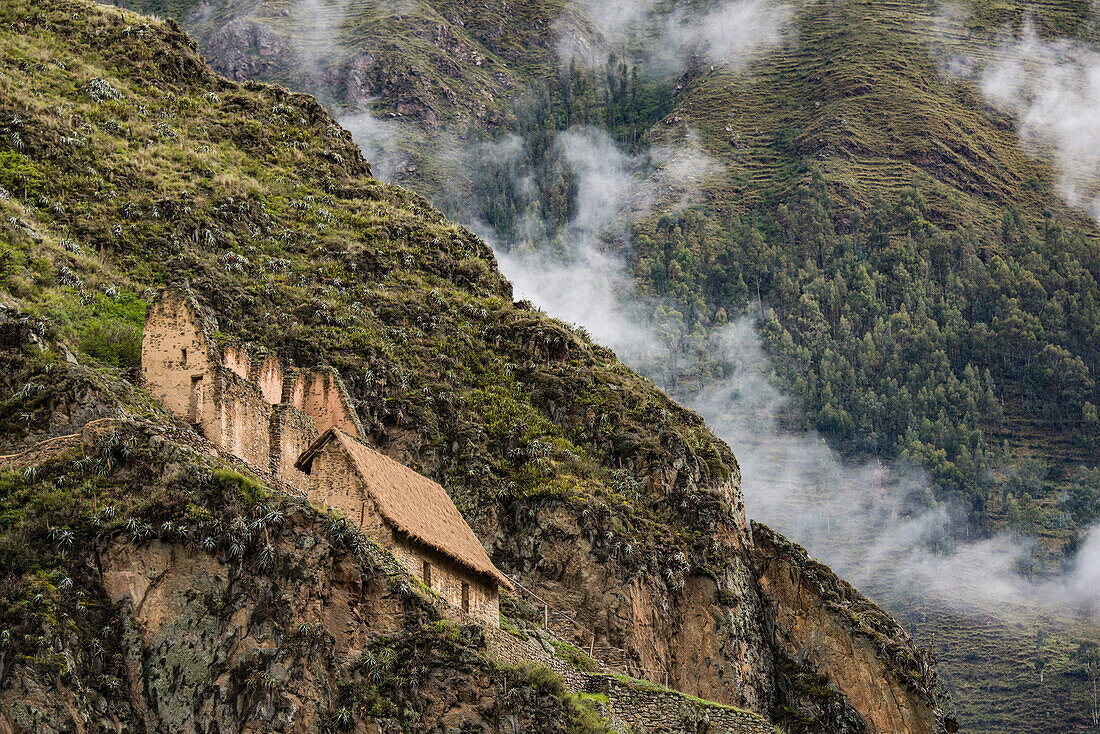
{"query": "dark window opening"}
[(196, 399), (465, 597), (183, 356), (427, 575)]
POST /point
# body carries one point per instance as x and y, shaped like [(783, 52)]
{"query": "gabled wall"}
[(267, 373), (176, 357), (320, 394)]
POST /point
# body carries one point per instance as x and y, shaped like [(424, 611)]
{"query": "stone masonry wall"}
[(238, 419), (642, 707), (510, 649), (320, 395), (647, 709), (447, 578), (175, 356), (292, 432)]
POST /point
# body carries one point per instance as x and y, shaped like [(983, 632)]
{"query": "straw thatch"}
[(411, 503)]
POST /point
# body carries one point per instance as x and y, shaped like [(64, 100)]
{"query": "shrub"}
[(18, 175), (248, 488), (113, 342)]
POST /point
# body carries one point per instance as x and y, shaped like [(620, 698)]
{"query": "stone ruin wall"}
[(51, 448), (267, 374), (649, 709), (238, 418), (632, 707), (248, 405), (291, 433), (175, 357), (236, 360), (320, 394)]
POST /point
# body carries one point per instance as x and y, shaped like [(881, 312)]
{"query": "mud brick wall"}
[(292, 432), (267, 373)]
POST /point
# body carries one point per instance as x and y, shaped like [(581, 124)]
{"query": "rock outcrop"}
[(822, 622)]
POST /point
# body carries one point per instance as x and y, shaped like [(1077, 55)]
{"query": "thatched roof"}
[(411, 503)]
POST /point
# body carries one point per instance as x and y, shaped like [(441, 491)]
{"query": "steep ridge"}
[(127, 165)]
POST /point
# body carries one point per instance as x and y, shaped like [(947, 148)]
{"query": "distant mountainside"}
[(850, 156), (149, 582)]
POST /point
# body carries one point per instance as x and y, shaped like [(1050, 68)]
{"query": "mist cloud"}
[(1051, 88), (315, 31), (383, 141), (730, 34), (876, 524), (578, 278)]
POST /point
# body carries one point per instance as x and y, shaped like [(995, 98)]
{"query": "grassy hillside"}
[(126, 164)]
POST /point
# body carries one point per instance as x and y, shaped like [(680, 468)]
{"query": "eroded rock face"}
[(201, 636), (245, 49), (702, 634), (825, 623), (325, 640)]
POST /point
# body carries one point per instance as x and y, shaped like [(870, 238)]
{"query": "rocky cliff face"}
[(819, 620), (234, 615), (579, 476)]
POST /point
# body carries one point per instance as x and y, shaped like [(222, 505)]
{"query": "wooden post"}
[(546, 616), (592, 647)]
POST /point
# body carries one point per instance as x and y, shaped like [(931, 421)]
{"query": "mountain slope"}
[(935, 298), (126, 165)]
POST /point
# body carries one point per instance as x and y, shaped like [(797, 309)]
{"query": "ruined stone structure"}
[(247, 404), (409, 514), (299, 426)]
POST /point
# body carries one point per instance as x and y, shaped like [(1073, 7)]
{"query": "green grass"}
[(989, 663)]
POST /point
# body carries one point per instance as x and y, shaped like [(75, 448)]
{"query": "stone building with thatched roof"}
[(409, 514), (300, 426)]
